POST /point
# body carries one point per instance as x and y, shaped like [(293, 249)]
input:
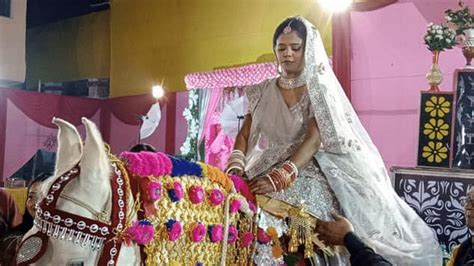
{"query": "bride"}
[(305, 153)]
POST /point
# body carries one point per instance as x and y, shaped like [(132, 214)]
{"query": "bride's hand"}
[(261, 185)]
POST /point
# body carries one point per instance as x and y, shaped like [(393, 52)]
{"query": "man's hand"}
[(333, 232)]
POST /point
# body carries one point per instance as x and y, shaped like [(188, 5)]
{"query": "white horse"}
[(88, 216)]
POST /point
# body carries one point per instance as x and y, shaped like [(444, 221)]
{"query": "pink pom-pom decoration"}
[(198, 232), (216, 232), (242, 187), (263, 237), (141, 232), (148, 163), (154, 190), (174, 229), (175, 191), (235, 205), (247, 239), (216, 197), (252, 207), (233, 234), (196, 194)]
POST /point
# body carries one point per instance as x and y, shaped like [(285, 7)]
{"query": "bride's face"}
[(289, 50)]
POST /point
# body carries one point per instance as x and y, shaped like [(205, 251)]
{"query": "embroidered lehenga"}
[(347, 174), (277, 130)]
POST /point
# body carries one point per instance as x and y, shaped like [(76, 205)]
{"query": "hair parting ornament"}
[(288, 28)]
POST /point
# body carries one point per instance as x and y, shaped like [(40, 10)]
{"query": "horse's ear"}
[(95, 165), (69, 146)]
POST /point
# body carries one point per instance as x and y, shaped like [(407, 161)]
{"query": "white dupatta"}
[(356, 171)]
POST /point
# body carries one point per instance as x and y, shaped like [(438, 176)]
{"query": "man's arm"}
[(361, 254), (341, 232)]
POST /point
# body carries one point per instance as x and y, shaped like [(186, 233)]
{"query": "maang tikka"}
[(288, 28)]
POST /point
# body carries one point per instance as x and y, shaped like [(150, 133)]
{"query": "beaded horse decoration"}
[(145, 207), (193, 210)]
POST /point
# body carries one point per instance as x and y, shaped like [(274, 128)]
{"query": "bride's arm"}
[(309, 147), (241, 140), (236, 163), (300, 158)]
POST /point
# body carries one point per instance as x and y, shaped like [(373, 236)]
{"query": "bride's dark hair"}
[(295, 24)]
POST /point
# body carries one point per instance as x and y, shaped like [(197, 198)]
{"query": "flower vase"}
[(468, 47), (434, 76)]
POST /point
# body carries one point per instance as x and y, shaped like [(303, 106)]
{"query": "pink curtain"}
[(3, 127), (24, 137), (341, 49), (218, 143), (41, 107), (210, 131), (117, 118)]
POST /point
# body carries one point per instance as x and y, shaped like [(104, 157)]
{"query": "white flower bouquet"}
[(439, 37)]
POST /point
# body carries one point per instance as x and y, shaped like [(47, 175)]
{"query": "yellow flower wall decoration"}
[(437, 106), (435, 152), (436, 128)]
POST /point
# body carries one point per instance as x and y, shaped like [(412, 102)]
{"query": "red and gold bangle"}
[(275, 178), (272, 182), (291, 168)]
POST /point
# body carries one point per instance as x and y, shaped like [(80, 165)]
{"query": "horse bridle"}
[(72, 228), (102, 216)]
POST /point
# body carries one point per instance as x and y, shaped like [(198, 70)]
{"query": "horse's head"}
[(78, 217)]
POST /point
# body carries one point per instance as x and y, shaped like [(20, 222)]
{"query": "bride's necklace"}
[(289, 84)]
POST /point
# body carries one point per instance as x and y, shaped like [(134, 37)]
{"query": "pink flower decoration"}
[(175, 191), (196, 194), (154, 190), (174, 229), (216, 197), (242, 187), (179, 189), (148, 163), (252, 207), (198, 233), (231, 77), (263, 237), (233, 234), (247, 239), (141, 232), (235, 205), (216, 232), (134, 162)]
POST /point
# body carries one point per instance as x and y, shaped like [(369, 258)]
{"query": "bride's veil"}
[(356, 171)]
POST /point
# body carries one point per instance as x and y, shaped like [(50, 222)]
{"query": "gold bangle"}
[(232, 168), (237, 153), (236, 160)]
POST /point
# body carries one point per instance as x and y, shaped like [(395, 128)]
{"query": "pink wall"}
[(389, 63)]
